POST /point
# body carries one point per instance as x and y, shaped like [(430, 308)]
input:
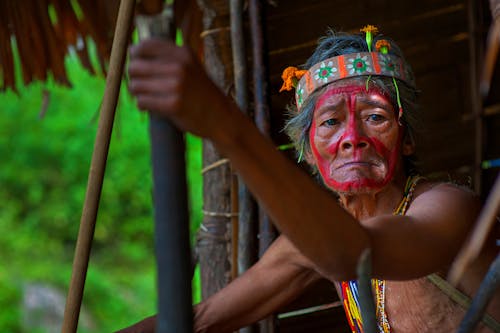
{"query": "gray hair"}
[(334, 44)]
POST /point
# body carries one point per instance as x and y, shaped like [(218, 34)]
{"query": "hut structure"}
[(443, 40)]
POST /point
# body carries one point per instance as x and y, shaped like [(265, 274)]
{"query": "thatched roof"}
[(43, 32)]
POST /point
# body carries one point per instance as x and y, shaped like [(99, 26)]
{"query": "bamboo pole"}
[(475, 98), (484, 224), (483, 296), (492, 47), (97, 167)]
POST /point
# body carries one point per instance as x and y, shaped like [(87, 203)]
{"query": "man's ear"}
[(408, 146), (308, 157)]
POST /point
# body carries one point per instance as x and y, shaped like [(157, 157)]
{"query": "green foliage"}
[(42, 187)]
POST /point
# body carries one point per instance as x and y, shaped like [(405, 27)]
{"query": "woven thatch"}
[(43, 32)]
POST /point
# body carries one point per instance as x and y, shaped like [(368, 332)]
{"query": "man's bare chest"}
[(419, 306)]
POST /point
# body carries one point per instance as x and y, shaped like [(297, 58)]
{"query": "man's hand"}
[(168, 80)]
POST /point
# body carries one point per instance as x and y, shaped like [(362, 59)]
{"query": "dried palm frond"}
[(42, 33)]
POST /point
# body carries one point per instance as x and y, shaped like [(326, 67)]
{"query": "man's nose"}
[(354, 137)]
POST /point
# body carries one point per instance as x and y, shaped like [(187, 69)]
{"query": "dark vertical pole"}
[(483, 296), (267, 232), (172, 249), (247, 206), (246, 238), (173, 257), (239, 56), (475, 97), (366, 300)]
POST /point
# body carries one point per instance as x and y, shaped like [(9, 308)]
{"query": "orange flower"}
[(369, 29), (382, 44), (291, 76)]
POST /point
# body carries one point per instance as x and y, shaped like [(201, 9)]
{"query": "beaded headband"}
[(345, 66)]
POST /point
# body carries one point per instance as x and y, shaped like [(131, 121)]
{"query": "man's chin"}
[(355, 186)]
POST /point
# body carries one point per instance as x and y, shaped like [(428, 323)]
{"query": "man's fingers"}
[(154, 86), (143, 68), (156, 102)]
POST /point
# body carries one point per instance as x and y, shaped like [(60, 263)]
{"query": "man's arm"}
[(276, 279), (428, 238), (168, 81)]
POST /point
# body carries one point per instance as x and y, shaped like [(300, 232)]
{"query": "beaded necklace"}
[(349, 289)]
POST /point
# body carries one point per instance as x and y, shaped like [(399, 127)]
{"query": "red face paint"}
[(356, 153)]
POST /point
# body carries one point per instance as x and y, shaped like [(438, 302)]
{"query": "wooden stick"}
[(97, 167), (477, 310), (485, 222), (247, 206), (476, 102), (234, 225), (490, 59), (366, 299)]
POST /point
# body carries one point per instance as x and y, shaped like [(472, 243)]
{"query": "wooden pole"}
[(97, 167), (485, 293), (235, 209), (266, 230), (485, 223), (492, 47), (247, 206), (475, 97)]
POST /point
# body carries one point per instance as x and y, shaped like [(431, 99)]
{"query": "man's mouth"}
[(355, 164)]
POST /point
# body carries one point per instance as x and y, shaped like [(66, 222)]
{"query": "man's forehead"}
[(340, 91)]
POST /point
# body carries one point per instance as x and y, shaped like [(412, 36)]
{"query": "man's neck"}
[(368, 204)]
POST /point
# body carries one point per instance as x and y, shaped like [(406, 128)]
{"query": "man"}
[(353, 123)]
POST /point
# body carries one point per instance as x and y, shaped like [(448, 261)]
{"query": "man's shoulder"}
[(447, 195), (449, 188)]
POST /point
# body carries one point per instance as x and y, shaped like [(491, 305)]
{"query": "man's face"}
[(355, 138)]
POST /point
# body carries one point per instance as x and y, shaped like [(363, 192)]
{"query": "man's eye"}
[(376, 117), (331, 122)]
